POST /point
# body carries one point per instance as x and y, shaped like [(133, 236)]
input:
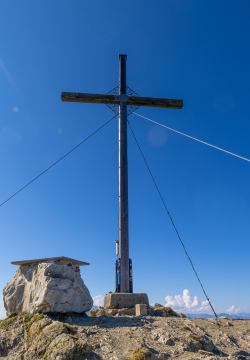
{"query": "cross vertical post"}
[(123, 179), (123, 100)]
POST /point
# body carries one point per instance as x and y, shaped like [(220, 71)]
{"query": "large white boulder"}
[(46, 287)]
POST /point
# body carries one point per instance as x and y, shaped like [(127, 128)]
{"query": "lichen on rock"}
[(64, 347)]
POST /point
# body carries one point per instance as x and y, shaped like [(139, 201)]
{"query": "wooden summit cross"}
[(122, 100)]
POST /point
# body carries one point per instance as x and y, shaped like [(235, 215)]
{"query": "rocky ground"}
[(122, 337)]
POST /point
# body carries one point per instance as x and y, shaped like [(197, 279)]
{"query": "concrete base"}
[(124, 300), (141, 310)]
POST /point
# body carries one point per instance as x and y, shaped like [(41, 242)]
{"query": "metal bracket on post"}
[(117, 247), (117, 276)]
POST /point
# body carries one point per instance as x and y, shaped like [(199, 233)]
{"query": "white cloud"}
[(190, 304), (182, 302), (98, 300), (187, 303), (232, 310), (205, 307)]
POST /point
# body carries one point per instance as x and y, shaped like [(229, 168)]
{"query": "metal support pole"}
[(123, 263), (123, 179)]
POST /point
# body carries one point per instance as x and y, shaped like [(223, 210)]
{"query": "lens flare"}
[(157, 137), (15, 109), (59, 131)]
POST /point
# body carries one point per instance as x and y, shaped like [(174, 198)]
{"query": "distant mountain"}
[(208, 316)]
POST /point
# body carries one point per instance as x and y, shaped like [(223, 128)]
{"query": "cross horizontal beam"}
[(116, 99)]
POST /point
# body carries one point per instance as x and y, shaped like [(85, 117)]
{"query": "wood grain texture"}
[(115, 99)]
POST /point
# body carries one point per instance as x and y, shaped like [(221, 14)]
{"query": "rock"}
[(37, 327), (65, 347), (194, 341), (158, 310), (164, 311), (196, 345), (203, 352), (207, 344), (156, 306), (51, 337), (46, 287), (165, 340), (55, 329), (238, 353), (155, 335), (101, 311), (181, 315), (163, 356)]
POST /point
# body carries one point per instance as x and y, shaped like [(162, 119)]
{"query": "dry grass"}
[(140, 354), (184, 327), (195, 337)]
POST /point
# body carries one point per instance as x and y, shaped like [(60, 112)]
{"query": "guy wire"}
[(88, 137), (193, 138), (158, 190)]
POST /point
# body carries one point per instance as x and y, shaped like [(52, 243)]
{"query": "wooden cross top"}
[(117, 99), (124, 267)]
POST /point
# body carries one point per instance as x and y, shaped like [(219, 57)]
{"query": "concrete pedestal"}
[(124, 300), (141, 310)]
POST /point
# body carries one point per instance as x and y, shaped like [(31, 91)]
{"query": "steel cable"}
[(158, 190), (191, 137), (57, 161)]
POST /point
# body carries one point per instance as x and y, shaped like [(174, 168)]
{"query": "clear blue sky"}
[(197, 51)]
